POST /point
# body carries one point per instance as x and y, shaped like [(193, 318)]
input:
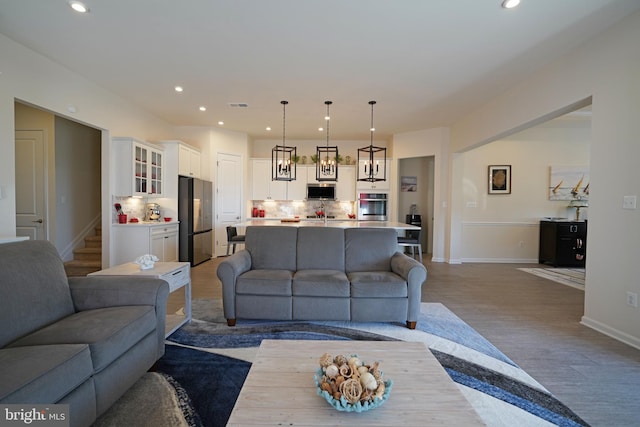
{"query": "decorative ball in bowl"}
[(350, 385)]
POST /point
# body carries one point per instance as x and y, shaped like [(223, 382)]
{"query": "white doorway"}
[(421, 171), (31, 197), (229, 185)]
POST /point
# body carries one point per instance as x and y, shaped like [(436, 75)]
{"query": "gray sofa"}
[(321, 273), (79, 341)]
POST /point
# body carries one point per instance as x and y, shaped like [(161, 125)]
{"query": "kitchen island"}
[(336, 223)]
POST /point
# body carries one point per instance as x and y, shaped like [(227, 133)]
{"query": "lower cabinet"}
[(133, 240), (563, 243)]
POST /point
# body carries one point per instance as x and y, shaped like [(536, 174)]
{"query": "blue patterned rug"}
[(207, 362)]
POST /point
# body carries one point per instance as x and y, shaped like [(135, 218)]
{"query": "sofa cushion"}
[(272, 247), (377, 284), (320, 248), (369, 249), (36, 289), (43, 373), (323, 283), (265, 282), (110, 332)]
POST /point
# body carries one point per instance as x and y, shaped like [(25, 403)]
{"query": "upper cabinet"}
[(186, 157), (138, 167), (188, 161), (346, 185), (263, 188), (377, 185)]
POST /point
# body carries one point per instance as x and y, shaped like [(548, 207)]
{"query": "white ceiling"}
[(426, 62)]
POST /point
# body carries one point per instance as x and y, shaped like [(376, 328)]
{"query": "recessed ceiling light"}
[(221, 123), (268, 128), (203, 108), (178, 88), (320, 129), (79, 6), (510, 4)]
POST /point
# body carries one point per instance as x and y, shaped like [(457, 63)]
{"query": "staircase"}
[(88, 259)]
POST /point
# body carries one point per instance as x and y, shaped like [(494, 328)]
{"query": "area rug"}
[(206, 363), (573, 277)]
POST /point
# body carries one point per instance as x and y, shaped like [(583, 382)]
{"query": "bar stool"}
[(412, 241), (233, 238)]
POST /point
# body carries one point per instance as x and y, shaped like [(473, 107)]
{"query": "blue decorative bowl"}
[(344, 405)]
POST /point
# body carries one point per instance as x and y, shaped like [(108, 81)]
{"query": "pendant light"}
[(372, 161), (283, 168), (327, 157)]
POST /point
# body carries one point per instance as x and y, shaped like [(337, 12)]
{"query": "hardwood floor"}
[(536, 323)]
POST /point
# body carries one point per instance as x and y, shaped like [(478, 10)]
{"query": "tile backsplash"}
[(289, 209)]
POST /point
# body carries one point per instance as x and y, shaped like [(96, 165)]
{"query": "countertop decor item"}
[(351, 385)]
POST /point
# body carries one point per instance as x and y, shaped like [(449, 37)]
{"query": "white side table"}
[(176, 274)]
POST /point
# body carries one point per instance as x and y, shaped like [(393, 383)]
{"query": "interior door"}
[(31, 219), (229, 185)]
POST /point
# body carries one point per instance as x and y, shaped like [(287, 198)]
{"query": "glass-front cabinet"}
[(138, 167)]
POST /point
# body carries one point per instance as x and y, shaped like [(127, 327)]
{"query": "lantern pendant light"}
[(327, 156), (283, 166), (372, 161)]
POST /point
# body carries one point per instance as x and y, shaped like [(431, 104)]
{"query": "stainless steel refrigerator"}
[(195, 207)]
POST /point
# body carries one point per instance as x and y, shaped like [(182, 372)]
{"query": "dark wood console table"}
[(563, 243)]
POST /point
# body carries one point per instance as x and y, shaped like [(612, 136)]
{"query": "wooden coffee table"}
[(280, 389)]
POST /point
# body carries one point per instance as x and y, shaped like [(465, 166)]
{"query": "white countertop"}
[(146, 223), (330, 223)]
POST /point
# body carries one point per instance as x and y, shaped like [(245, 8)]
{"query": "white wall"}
[(606, 69), (505, 227)]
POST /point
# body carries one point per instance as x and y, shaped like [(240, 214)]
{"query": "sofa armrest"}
[(228, 272), (415, 274), (90, 293)]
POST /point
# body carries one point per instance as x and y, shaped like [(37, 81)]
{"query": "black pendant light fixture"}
[(327, 156), (372, 161), (283, 168)]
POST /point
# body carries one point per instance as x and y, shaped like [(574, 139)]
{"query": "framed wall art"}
[(569, 183), (499, 179)]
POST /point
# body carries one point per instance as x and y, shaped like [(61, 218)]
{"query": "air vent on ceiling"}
[(238, 105)]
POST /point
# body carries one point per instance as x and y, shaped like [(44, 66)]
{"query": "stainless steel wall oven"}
[(373, 207)]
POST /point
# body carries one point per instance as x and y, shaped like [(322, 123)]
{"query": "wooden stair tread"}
[(83, 263), (87, 251)]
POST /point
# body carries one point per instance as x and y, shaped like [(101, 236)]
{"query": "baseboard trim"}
[(611, 332)]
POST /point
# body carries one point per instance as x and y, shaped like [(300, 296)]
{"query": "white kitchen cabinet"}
[(164, 242), (138, 167), (133, 240), (183, 158), (376, 186), (297, 189), (311, 174), (346, 185), (188, 161), (263, 188)]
